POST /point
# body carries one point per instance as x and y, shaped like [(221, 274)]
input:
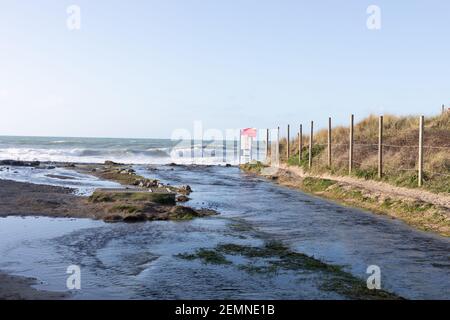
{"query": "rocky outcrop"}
[(127, 205), (183, 198), (18, 163)]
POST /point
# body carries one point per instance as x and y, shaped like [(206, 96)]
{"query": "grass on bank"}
[(424, 216), (421, 215)]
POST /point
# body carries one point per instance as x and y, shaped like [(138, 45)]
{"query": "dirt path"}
[(381, 187)]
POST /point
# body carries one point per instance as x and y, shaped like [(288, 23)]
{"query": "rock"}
[(183, 198), (135, 196), (228, 165), (18, 163), (185, 189), (135, 218), (112, 218), (185, 213), (146, 183), (151, 183), (181, 211), (127, 171), (111, 163), (207, 212)]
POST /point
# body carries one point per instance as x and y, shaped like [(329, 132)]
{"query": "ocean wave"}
[(138, 151), (180, 155)]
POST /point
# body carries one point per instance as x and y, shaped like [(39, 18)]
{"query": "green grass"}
[(304, 161), (317, 185), (253, 167), (366, 174), (116, 195), (126, 208)]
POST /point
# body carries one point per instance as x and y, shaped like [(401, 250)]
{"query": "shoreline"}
[(138, 198), (21, 288), (42, 200), (418, 211)]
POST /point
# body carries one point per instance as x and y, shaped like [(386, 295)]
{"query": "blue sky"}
[(145, 68)]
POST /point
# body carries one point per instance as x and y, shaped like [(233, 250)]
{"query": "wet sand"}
[(27, 199), (20, 288)]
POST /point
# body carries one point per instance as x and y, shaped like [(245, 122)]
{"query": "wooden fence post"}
[(224, 150), (300, 145), (267, 144), (288, 143), (350, 151), (240, 145), (278, 145), (421, 129), (443, 109), (380, 147), (329, 142), (311, 139), (202, 148), (257, 145)]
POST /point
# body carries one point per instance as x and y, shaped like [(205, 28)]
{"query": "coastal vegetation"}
[(275, 258), (400, 151)]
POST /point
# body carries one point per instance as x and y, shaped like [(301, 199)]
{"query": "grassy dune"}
[(401, 136)]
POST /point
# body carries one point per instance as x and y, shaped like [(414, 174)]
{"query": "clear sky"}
[(145, 68)]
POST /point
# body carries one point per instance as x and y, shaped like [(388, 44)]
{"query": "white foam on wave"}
[(209, 156), (132, 151)]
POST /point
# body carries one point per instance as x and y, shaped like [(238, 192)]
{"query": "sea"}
[(130, 151)]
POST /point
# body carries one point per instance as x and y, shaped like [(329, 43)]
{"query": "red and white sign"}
[(247, 136), (249, 132)]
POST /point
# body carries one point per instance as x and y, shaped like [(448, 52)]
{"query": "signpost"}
[(247, 136)]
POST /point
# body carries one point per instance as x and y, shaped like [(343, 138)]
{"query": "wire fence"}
[(422, 152)]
